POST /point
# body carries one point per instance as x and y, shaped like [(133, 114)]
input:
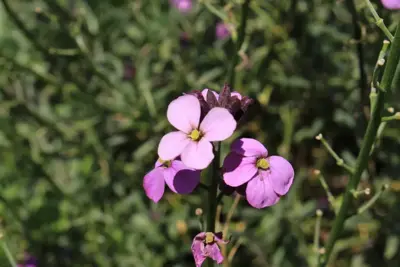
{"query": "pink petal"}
[(198, 155), (391, 4), (184, 113), (154, 184), (249, 147), (238, 169), (214, 253), (180, 179), (204, 93), (172, 145), (259, 193), (218, 125), (198, 248), (236, 94), (280, 174)]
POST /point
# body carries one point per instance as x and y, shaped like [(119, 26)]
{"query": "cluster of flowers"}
[(201, 118)]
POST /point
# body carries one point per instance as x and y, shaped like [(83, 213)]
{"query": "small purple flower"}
[(206, 245), (183, 6), (29, 261), (267, 178), (222, 30), (192, 141), (391, 4), (179, 178)]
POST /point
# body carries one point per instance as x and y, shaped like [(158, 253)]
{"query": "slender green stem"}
[(241, 37), (339, 161), (393, 117), (317, 234), (7, 252), (372, 201), (357, 35), (379, 21), (369, 138), (212, 193), (331, 198)]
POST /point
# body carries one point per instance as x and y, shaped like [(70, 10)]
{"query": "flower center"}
[(195, 135), (262, 164), (209, 238), (165, 163)]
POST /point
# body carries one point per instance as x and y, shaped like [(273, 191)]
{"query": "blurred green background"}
[(84, 87)]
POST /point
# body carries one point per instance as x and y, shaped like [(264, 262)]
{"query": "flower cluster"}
[(201, 118)]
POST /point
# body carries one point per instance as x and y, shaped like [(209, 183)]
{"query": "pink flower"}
[(206, 245), (391, 4), (192, 141), (222, 30), (183, 6), (179, 178), (267, 178)]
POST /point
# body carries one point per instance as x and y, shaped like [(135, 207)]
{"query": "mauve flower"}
[(206, 245), (391, 4), (222, 30), (183, 6), (29, 261), (179, 178), (267, 178), (193, 140)]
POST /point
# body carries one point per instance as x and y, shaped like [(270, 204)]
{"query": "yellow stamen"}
[(195, 135), (262, 164), (209, 238), (165, 163)]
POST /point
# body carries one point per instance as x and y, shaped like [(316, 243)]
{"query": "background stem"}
[(369, 138)]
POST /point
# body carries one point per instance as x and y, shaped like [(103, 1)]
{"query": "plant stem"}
[(240, 40), (212, 193), (7, 252), (379, 21), (369, 138)]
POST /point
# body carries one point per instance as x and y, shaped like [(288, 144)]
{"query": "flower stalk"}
[(369, 139)]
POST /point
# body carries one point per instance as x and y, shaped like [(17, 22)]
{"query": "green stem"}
[(7, 252), (212, 193), (369, 138), (379, 21), (241, 36)]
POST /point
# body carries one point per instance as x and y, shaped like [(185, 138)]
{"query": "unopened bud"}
[(199, 212), (181, 226), (390, 109), (316, 172), (319, 213), (397, 116), (367, 191), (318, 137), (381, 62)]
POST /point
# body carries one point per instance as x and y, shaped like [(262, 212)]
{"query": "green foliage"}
[(84, 87)]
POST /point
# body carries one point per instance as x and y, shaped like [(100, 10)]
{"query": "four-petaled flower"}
[(391, 4), (179, 178), (193, 140), (267, 178), (204, 245)]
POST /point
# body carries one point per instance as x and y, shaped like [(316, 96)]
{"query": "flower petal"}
[(180, 179), (214, 253), (205, 91), (236, 94), (280, 174), (249, 147), (391, 4), (259, 193), (198, 155), (198, 248), (238, 169), (172, 145), (154, 184), (184, 113), (218, 125)]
